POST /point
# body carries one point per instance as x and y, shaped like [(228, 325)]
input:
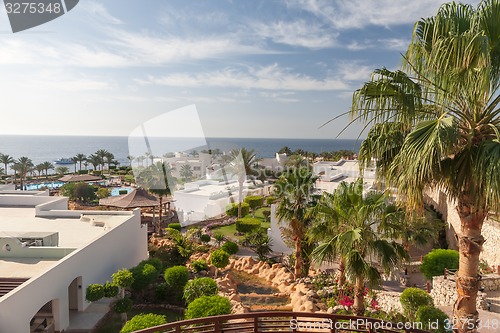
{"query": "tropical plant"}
[(219, 238), (75, 161), (80, 158), (23, 165), (142, 321), (438, 126), (46, 167), (260, 242), (6, 160), (196, 288), (435, 262), (294, 191), (62, 170), (351, 235), (241, 165), (80, 192), (207, 306), (186, 172)]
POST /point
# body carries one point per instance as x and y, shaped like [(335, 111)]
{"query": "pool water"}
[(116, 191), (51, 185)]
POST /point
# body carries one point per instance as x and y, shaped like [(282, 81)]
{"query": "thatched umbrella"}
[(79, 178)]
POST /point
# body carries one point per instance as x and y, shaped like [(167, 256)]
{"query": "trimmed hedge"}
[(270, 199), (196, 288), (176, 226), (232, 210), (428, 314), (110, 289), (247, 224), (207, 306), (123, 305), (94, 292), (142, 321), (199, 265), (176, 277), (413, 298), (230, 247), (219, 258), (434, 262), (205, 238), (254, 201)]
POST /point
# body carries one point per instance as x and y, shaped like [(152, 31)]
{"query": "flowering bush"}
[(346, 301)]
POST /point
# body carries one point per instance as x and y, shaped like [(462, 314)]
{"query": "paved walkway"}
[(85, 321), (490, 321)]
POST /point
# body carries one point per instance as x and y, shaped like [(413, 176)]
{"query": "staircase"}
[(8, 284)]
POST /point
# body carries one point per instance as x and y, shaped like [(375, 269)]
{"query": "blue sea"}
[(50, 148)]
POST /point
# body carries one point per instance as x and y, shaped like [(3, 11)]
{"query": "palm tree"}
[(94, 160), (75, 161), (6, 160), (101, 154), (186, 172), (62, 170), (294, 190), (355, 239), (80, 158), (445, 103), (109, 158), (39, 168), (23, 166), (242, 162), (46, 167), (130, 158)]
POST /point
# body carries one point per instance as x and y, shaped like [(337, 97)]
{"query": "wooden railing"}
[(280, 321)]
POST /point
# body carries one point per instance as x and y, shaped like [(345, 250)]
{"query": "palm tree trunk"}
[(160, 229), (341, 273), (298, 257), (359, 297), (470, 242)]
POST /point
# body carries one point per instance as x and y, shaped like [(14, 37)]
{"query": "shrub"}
[(411, 299), (123, 278), (254, 201), (123, 305), (176, 277), (110, 289), (94, 292), (142, 321), (199, 265), (230, 247), (232, 210), (121, 192), (103, 192), (162, 291), (144, 275), (196, 288), (270, 199), (219, 258), (247, 224), (172, 233), (176, 226), (83, 172), (205, 238), (155, 262), (428, 315), (206, 306), (434, 262)]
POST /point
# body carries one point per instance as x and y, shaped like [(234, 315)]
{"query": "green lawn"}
[(229, 231)]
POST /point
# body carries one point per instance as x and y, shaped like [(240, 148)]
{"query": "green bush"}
[(428, 314), (94, 292), (434, 262), (206, 306), (176, 277), (219, 258), (155, 262), (144, 275), (142, 321), (413, 298), (123, 305), (196, 288), (254, 201), (122, 192), (247, 224), (83, 172), (230, 247), (232, 210), (205, 238), (162, 291), (110, 290), (123, 278), (103, 192), (270, 199), (199, 265), (176, 226), (172, 233)]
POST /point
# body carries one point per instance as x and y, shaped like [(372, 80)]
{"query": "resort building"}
[(49, 255), (331, 174)]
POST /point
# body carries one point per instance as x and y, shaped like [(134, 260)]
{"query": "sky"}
[(257, 69)]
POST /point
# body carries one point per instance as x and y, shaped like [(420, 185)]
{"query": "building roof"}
[(136, 198)]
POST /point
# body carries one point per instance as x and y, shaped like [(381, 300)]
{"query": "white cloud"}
[(397, 44), (354, 71), (266, 78), (297, 33), (346, 14), (99, 12)]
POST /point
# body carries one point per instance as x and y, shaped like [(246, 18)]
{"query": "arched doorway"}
[(75, 295)]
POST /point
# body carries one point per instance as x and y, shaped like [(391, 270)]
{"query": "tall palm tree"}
[(294, 190), (445, 103), (80, 158), (186, 172), (109, 158), (101, 154), (241, 165), (6, 160), (74, 159), (94, 160), (46, 167), (130, 158), (62, 170), (23, 166), (356, 240), (39, 168)]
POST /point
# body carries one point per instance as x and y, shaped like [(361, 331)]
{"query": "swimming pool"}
[(51, 185), (116, 191)]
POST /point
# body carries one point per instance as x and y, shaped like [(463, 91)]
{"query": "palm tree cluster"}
[(23, 166), (334, 155), (436, 125)]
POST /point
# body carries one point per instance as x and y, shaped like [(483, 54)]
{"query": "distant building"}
[(49, 255), (331, 174)]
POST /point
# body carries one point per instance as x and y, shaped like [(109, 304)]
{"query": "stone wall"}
[(444, 292), (491, 228), (388, 301)]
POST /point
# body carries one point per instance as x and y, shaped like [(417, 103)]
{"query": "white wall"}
[(122, 247)]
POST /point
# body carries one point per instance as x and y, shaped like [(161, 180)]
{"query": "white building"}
[(331, 174), (49, 255)]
